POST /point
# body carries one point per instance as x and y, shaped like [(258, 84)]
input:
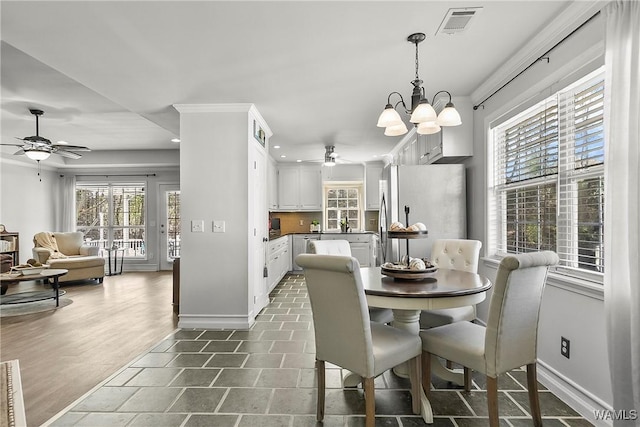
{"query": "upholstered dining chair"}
[(508, 341), (346, 337), (452, 254), (341, 247)]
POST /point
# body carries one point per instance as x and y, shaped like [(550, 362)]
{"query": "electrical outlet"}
[(565, 347), (301, 222)]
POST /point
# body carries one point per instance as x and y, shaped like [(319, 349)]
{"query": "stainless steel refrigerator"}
[(434, 195)]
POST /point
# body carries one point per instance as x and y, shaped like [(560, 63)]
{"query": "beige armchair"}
[(508, 341), (346, 337), (68, 251), (341, 247), (452, 254)]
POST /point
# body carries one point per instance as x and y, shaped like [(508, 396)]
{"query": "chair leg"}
[(369, 402), (415, 366), (321, 387), (426, 373), (467, 379), (449, 364), (534, 402), (492, 401)]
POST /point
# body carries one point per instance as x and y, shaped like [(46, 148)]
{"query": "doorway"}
[(169, 225)]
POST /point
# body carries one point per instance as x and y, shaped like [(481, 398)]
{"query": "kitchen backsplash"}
[(290, 222)]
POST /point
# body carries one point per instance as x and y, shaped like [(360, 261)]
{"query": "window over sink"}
[(343, 203)]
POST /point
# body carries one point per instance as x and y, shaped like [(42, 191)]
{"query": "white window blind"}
[(548, 183)]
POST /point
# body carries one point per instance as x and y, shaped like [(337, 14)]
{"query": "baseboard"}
[(577, 397), (215, 321)]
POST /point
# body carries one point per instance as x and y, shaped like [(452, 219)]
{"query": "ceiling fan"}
[(331, 158), (39, 148)]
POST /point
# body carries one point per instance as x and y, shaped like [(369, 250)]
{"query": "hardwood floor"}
[(65, 353)]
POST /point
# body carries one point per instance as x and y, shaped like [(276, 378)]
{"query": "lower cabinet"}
[(300, 242), (360, 244), (278, 264)]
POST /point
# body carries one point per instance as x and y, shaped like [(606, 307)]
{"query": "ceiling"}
[(108, 73)]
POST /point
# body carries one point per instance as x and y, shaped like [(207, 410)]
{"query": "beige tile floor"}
[(265, 377)]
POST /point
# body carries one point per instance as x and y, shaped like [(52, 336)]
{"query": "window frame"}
[(565, 180), (111, 228), (341, 185)]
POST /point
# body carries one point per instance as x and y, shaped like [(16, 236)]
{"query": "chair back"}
[(456, 254), (512, 326), (330, 247), (340, 314)]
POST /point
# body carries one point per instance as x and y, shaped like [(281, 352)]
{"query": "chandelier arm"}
[(403, 106), (397, 103), (438, 93)]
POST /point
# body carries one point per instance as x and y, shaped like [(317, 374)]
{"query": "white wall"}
[(27, 205), (576, 313), (214, 186)]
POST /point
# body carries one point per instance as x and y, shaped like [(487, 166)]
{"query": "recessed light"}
[(283, 156), (299, 161), (63, 142), (276, 146), (175, 139)]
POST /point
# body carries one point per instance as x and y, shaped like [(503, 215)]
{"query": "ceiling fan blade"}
[(68, 154), (70, 147), (13, 145), (19, 152)]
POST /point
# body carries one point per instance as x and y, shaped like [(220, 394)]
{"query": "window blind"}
[(548, 182)]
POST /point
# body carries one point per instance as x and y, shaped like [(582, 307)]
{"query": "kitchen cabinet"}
[(272, 184), (361, 245), (278, 264), (299, 243), (373, 173), (299, 188), (452, 143)]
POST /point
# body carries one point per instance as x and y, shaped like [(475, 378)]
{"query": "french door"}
[(169, 225)]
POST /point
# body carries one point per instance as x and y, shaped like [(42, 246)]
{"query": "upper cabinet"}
[(299, 188), (272, 184), (373, 173), (452, 143)]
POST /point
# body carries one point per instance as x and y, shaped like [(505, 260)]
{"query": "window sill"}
[(563, 281)]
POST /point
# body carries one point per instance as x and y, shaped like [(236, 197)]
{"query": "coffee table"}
[(24, 297)]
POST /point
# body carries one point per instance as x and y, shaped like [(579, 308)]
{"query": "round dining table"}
[(407, 298)]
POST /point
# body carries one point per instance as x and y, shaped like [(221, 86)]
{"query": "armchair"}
[(68, 251)]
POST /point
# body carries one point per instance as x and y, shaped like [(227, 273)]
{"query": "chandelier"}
[(423, 116)]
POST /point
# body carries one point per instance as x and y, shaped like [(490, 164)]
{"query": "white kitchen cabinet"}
[(272, 184), (452, 143), (362, 252), (299, 244), (373, 173), (279, 256), (299, 188)]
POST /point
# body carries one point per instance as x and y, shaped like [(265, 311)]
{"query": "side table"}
[(116, 269)]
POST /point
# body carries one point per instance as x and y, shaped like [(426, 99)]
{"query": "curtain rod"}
[(540, 58), (117, 175)]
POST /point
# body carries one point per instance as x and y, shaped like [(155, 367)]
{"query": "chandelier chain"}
[(417, 63)]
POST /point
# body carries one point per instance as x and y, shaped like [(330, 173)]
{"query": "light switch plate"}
[(218, 226), (197, 226)]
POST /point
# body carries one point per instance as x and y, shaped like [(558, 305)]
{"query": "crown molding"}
[(214, 108), (575, 14)]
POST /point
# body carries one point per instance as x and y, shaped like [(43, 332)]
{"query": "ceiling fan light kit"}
[(422, 112), (37, 154)]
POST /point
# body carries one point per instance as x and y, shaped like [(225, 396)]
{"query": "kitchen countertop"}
[(277, 236)]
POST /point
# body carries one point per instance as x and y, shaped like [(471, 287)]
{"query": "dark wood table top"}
[(441, 284)]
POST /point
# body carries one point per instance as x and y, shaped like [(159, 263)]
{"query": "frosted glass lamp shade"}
[(389, 117), (424, 112), (36, 154), (449, 116), (428, 128), (396, 130)]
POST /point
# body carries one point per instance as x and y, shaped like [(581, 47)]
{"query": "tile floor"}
[(265, 377)]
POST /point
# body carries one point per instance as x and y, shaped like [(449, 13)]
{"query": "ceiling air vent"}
[(458, 20)]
